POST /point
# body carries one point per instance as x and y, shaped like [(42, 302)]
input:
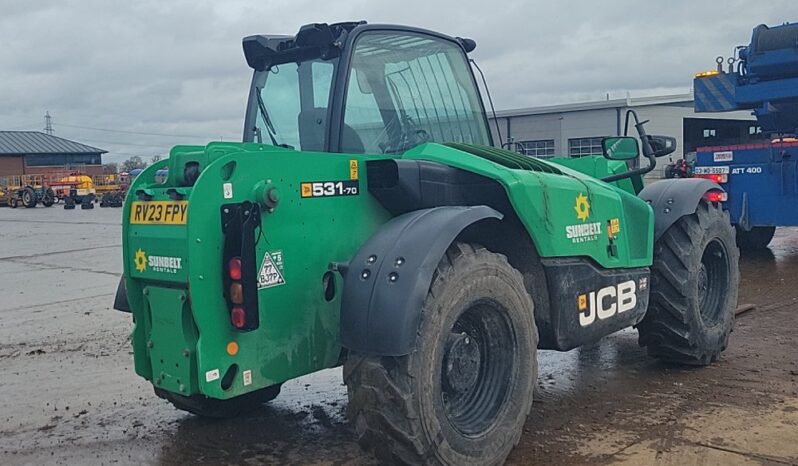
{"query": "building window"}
[(583, 147), (710, 133), (55, 160), (542, 149)]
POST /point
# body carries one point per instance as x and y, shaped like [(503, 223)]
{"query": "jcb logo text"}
[(606, 302)]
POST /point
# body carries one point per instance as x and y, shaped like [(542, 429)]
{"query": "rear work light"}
[(715, 177), (716, 196)]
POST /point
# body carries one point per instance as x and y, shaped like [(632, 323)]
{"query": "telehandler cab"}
[(366, 220)]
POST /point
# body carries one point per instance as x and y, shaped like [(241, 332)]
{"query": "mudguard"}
[(386, 282), (120, 301), (674, 198)]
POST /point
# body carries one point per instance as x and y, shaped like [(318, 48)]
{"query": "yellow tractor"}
[(28, 191)]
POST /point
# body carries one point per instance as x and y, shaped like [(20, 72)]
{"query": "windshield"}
[(406, 89), (402, 89), (292, 108)]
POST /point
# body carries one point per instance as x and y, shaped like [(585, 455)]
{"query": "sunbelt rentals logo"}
[(582, 207), (163, 264), (583, 232), (141, 261)]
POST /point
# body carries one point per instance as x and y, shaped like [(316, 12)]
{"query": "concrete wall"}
[(558, 126), (664, 119)]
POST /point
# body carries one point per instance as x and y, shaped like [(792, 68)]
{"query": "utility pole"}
[(48, 123)]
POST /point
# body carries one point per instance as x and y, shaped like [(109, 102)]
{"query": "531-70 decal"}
[(329, 188)]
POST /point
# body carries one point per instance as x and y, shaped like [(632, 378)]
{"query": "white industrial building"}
[(576, 129)]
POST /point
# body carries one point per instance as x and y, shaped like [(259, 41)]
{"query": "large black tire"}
[(220, 409), (694, 280), (12, 202), (756, 238), (28, 197), (463, 395), (49, 198)]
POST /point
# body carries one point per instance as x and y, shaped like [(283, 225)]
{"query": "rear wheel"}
[(211, 407), (463, 395), (29, 197), (694, 281), (756, 238)]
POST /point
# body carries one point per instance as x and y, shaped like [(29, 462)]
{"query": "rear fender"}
[(672, 199), (386, 282)]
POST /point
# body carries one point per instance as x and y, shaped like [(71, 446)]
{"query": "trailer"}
[(760, 180)]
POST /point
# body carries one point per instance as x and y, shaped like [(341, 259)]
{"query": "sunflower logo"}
[(140, 261), (582, 207)]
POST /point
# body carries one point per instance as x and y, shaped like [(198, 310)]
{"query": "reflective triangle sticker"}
[(271, 271)]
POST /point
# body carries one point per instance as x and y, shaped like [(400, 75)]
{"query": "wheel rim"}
[(713, 282), (477, 368)]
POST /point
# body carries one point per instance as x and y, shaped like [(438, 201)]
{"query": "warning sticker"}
[(247, 378), (271, 271), (725, 156), (212, 375), (615, 226)]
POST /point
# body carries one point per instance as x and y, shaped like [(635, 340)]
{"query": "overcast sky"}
[(107, 70)]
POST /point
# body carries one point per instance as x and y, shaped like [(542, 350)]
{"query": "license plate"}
[(711, 170), (158, 212)]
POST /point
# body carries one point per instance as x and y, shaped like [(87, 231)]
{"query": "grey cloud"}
[(176, 67)]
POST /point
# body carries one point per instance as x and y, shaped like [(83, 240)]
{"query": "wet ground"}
[(68, 394)]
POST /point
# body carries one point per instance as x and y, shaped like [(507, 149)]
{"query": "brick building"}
[(34, 152)]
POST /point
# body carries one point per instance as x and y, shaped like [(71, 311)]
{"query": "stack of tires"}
[(87, 202), (111, 200)]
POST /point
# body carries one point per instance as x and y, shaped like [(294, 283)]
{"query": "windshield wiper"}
[(265, 115)]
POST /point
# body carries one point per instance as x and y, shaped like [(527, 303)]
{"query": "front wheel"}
[(463, 395), (49, 198), (694, 280), (755, 238)]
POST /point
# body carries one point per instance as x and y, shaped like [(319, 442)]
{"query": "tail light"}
[(238, 317), (239, 223), (236, 293), (716, 196), (234, 268), (715, 177)]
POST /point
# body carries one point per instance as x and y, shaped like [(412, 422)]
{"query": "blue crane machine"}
[(760, 179)]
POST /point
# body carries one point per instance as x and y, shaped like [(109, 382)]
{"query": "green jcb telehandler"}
[(368, 221)]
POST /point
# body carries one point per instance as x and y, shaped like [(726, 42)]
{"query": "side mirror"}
[(661, 145), (620, 148)]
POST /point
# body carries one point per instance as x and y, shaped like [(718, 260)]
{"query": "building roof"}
[(36, 142), (675, 99)]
